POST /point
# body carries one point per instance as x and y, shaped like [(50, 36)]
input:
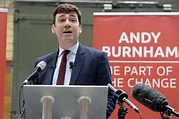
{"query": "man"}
[(84, 65)]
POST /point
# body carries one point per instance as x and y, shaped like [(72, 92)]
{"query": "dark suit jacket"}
[(91, 67)]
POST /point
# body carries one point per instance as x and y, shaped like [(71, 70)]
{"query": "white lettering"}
[(126, 51), (139, 37), (159, 82)]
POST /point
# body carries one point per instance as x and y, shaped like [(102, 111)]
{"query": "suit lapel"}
[(51, 62), (79, 61)]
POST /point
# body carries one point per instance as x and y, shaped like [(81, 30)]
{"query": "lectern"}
[(65, 102)]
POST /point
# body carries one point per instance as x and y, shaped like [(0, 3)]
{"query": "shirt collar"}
[(72, 49)]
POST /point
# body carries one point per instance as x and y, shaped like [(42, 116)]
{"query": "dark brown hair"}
[(67, 8)]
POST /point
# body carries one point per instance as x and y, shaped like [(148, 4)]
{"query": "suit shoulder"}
[(47, 56), (90, 49)]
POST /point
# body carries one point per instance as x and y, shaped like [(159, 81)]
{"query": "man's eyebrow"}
[(61, 15), (71, 15)]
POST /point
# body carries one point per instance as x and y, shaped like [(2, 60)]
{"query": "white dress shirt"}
[(70, 58)]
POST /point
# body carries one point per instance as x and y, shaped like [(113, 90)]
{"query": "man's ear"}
[(80, 29), (53, 28)]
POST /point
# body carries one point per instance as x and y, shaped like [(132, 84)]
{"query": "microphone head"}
[(41, 65), (149, 97), (121, 95), (71, 65)]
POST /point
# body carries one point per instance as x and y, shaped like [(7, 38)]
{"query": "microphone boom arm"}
[(123, 97), (170, 110)]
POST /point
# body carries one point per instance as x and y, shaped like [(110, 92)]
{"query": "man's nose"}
[(67, 23)]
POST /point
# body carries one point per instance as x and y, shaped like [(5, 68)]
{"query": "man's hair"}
[(66, 8)]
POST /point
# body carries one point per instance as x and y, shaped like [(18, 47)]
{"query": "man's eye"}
[(73, 20), (61, 20)]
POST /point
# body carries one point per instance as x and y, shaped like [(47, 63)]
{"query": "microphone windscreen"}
[(42, 65), (149, 97)]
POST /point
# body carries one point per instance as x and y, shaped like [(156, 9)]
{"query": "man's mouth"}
[(67, 32)]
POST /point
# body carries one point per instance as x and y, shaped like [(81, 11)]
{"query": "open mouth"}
[(67, 32)]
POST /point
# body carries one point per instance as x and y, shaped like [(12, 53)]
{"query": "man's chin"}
[(70, 41)]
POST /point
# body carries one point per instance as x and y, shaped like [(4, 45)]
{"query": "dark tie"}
[(62, 70)]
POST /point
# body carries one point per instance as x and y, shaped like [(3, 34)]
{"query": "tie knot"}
[(65, 52)]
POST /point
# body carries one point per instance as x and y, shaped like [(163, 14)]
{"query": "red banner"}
[(3, 31), (142, 48)]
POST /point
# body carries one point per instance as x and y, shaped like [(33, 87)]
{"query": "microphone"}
[(152, 99), (71, 65), (40, 66), (123, 97)]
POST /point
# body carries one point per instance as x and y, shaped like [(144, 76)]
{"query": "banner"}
[(3, 31), (142, 48)]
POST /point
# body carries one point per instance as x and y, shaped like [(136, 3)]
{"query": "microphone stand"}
[(169, 113), (163, 116), (22, 112), (122, 111)]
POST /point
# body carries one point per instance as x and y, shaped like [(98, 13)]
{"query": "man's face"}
[(67, 28)]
